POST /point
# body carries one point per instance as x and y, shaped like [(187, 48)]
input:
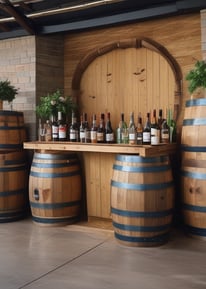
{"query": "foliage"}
[(197, 76), (52, 103), (7, 91)]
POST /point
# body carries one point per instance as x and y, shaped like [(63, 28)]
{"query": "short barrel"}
[(12, 130), (193, 168), (142, 199), (14, 202), (55, 188)]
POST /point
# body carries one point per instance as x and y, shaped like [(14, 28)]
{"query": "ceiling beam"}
[(26, 23)]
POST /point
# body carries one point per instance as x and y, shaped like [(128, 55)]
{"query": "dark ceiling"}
[(38, 17)]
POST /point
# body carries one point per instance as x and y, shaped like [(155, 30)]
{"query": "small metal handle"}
[(36, 194)]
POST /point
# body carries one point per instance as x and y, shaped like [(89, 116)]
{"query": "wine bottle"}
[(101, 130), (121, 132), (82, 129), (109, 134), (55, 129), (165, 130), (146, 134), (155, 130), (132, 130), (87, 129), (73, 129), (62, 131), (93, 131), (48, 131), (139, 130)]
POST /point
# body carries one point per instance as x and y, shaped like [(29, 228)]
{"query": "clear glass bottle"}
[(121, 132), (48, 131), (132, 130)]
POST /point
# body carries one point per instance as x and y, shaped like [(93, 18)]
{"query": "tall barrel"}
[(193, 167), (142, 198), (13, 186), (12, 130), (55, 188)]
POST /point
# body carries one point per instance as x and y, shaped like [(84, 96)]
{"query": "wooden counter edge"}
[(145, 151)]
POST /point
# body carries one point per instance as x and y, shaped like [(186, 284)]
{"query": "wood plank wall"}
[(181, 35)]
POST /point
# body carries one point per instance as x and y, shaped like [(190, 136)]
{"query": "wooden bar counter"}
[(144, 151), (97, 163)]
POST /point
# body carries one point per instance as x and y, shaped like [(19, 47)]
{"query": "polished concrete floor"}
[(79, 257)]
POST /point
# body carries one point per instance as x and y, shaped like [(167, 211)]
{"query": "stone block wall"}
[(34, 65), (203, 33)]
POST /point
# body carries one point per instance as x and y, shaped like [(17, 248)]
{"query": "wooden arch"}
[(132, 43)]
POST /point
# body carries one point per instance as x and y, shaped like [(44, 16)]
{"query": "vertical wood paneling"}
[(119, 92)]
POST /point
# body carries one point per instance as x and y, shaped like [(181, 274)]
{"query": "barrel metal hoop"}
[(141, 169), (193, 175), (134, 228), (194, 121), (156, 239), (142, 187), (194, 208), (196, 102), (195, 149), (49, 206), (137, 214)]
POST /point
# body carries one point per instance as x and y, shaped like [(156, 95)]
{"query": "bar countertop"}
[(142, 150)]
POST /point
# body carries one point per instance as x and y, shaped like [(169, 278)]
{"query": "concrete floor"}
[(77, 257)]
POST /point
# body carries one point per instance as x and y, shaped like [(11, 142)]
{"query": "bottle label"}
[(146, 137), (62, 132), (93, 135), (100, 136), (109, 137), (155, 136), (82, 135), (72, 134)]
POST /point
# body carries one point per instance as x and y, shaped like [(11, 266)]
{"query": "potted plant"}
[(197, 78), (7, 92), (51, 103)]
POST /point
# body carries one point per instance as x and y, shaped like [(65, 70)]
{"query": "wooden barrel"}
[(13, 186), (193, 167), (55, 188), (12, 130), (142, 198)]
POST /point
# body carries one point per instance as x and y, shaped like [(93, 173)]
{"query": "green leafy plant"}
[(197, 76), (7, 91), (52, 103)]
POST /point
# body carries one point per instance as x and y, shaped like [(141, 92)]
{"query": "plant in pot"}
[(8, 92), (197, 79), (52, 103)]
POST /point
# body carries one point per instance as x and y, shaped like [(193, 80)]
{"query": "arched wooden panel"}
[(136, 75), (131, 75)]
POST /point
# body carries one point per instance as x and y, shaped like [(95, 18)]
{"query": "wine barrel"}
[(12, 130), (55, 188), (142, 198), (14, 203), (193, 167)]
